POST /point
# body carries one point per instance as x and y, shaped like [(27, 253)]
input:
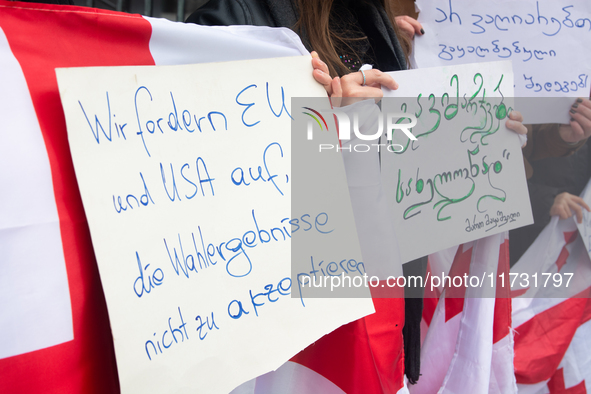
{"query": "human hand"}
[(322, 76), (410, 26), (365, 84), (564, 205), (579, 126), (361, 84), (515, 123)]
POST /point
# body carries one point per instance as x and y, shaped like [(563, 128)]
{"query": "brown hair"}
[(314, 23)]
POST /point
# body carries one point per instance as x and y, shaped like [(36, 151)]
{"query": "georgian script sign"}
[(185, 176), (543, 39), (463, 178)]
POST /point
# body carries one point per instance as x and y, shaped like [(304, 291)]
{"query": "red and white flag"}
[(362, 357), (552, 313), (54, 327), (468, 347)]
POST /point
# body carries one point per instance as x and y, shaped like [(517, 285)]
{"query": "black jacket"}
[(551, 176), (282, 13)]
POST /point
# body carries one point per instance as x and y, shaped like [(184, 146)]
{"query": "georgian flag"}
[(54, 327), (362, 357), (468, 347), (553, 323)]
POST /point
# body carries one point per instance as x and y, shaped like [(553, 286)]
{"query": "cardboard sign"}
[(463, 177), (185, 176), (543, 39)]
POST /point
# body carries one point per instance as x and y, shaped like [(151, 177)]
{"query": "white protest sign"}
[(463, 178), (184, 173), (585, 226), (543, 39)]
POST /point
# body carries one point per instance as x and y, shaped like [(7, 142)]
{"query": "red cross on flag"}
[(552, 312), (468, 347)]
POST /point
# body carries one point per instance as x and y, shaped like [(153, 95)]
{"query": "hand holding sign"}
[(187, 187), (566, 205), (579, 126), (359, 84)]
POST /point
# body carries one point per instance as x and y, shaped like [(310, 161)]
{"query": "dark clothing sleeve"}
[(550, 177), (541, 198), (544, 141), (272, 13), (231, 12), (283, 13)]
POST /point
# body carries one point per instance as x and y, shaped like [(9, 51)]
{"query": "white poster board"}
[(463, 178), (184, 173), (543, 39)]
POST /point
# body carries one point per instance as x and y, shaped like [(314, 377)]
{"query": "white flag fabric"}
[(468, 347)]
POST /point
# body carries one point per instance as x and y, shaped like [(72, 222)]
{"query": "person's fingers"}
[(516, 115), (321, 73), (566, 205), (580, 204), (573, 206), (584, 101), (405, 27), (366, 91), (581, 128), (564, 214), (418, 28), (581, 108), (583, 104), (580, 121), (323, 79), (582, 115), (352, 86), (337, 89), (319, 64), (584, 204), (516, 126), (561, 211), (375, 77), (572, 133), (558, 208), (409, 25), (336, 99)]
